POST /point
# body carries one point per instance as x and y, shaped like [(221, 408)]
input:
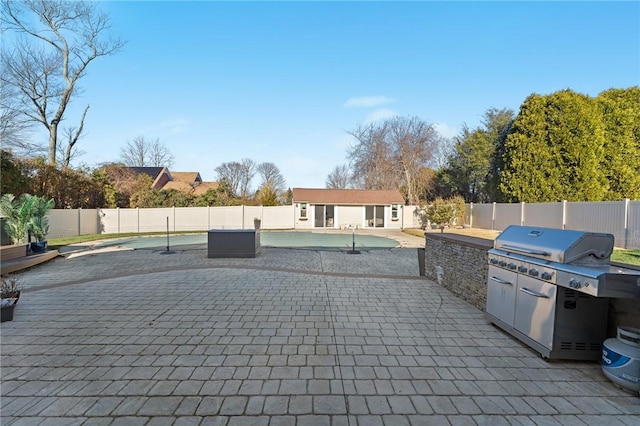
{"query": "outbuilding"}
[(341, 208)]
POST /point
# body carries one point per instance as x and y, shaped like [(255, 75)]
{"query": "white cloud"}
[(445, 130), (380, 115), (368, 101)]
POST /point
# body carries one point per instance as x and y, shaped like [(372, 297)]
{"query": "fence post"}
[(493, 215), (626, 222), (522, 213), (79, 218), (471, 215), (138, 219), (118, 211), (564, 214)]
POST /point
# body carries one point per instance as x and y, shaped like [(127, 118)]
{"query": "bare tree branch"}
[(73, 135), (339, 177), (59, 39)]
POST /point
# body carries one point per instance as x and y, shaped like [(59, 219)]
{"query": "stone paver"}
[(293, 337)]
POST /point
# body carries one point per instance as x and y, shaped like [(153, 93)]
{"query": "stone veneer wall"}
[(459, 263)]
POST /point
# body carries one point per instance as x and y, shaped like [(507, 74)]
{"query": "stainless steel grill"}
[(550, 289)]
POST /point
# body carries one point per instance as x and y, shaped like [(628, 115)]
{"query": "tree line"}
[(561, 146)]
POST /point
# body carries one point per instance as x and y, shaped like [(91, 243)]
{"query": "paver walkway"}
[(293, 337)]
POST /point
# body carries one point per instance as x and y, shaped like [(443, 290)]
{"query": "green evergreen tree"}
[(621, 161)]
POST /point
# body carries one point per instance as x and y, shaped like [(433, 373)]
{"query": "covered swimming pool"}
[(281, 239)]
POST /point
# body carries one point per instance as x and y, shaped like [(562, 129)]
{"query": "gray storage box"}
[(233, 243)]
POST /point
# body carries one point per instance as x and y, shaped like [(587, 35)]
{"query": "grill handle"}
[(533, 293), (526, 251), (501, 281)]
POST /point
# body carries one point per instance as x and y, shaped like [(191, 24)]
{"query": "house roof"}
[(347, 196), (152, 172), (204, 187), (188, 177)]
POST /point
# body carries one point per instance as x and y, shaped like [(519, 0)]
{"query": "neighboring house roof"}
[(347, 196), (189, 182), (204, 187), (152, 172), (187, 177)]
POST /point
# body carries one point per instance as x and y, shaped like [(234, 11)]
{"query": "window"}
[(303, 210), (394, 212)]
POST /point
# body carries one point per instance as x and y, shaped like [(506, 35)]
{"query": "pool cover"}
[(282, 239)]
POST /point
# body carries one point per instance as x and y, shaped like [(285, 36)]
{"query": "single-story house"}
[(187, 182), (341, 208)]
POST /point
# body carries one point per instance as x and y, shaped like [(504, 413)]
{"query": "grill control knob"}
[(494, 261), (502, 263), (522, 269), (574, 283), (533, 272), (511, 266), (546, 275)]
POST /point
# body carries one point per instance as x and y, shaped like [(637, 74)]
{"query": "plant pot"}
[(39, 247), (6, 312)]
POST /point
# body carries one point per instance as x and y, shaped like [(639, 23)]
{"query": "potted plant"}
[(9, 295), (17, 216), (39, 223)]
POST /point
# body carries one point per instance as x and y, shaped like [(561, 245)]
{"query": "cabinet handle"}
[(501, 281), (533, 293)]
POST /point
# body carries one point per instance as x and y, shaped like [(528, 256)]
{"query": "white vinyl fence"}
[(69, 223), (620, 218)]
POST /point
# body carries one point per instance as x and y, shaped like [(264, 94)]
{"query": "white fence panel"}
[(251, 214), (604, 216), (633, 225), (482, 216), (191, 219), (226, 217), (545, 215), (410, 217), (277, 217), (154, 220), (89, 221), (62, 223), (507, 214), (128, 220), (109, 221)]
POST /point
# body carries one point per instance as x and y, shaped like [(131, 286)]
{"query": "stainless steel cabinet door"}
[(501, 294), (535, 309)]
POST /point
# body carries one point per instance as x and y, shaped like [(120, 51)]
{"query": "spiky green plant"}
[(39, 223), (17, 214)]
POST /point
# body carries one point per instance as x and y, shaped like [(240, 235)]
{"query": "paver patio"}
[(293, 337)]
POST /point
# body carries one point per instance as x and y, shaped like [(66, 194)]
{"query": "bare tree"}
[(58, 40), (414, 143), (15, 130), (230, 173), (371, 158), (271, 177), (159, 154), (141, 152), (72, 135), (248, 171), (339, 177), (391, 154)]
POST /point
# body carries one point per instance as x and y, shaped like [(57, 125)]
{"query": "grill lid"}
[(556, 245)]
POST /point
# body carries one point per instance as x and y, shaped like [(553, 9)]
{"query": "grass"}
[(630, 257)]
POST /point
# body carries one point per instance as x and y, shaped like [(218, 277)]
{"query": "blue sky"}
[(283, 81)]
